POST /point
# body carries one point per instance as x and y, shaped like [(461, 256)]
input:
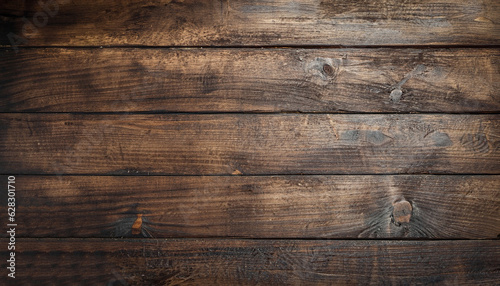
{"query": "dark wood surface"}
[(255, 262), (250, 80), (193, 144), (251, 22), (263, 142), (439, 207)]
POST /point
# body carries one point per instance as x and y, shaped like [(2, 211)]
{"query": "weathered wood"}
[(254, 262), (251, 22), (260, 207), (242, 80), (248, 144)]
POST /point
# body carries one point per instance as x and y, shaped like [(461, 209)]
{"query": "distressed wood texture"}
[(260, 207), (248, 80), (257, 262), (251, 22), (193, 144)]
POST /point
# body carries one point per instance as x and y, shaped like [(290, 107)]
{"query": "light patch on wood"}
[(136, 227), (483, 20), (237, 173), (402, 212)]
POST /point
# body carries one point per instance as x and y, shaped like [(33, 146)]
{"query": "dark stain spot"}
[(440, 139), (377, 138), (475, 142), (401, 213), (209, 82), (8, 26), (248, 188), (350, 135)]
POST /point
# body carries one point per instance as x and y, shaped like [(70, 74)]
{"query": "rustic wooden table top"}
[(262, 142)]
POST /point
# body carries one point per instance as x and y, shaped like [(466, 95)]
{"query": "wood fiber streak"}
[(247, 262), (190, 144), (259, 207), (251, 22), (243, 80)]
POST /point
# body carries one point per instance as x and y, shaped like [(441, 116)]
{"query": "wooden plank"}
[(251, 22), (248, 144), (194, 144), (254, 262), (242, 80), (437, 207)]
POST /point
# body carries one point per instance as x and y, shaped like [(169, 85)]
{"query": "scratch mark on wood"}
[(396, 91), (29, 127), (332, 124), (121, 153)]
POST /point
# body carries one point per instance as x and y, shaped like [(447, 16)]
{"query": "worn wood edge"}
[(249, 262)]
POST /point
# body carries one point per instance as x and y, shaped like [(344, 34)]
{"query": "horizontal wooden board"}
[(194, 144), (432, 207), (250, 22), (249, 80), (253, 262)]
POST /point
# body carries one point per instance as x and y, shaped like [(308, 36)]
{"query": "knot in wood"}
[(328, 70), (402, 212), (396, 95)]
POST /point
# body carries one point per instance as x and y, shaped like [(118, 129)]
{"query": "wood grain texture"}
[(440, 207), (249, 80), (250, 22), (247, 262), (191, 144)]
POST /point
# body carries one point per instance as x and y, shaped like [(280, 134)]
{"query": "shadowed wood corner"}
[(279, 142)]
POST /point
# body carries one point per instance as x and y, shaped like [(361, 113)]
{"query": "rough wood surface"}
[(251, 22), (432, 207), (290, 199), (243, 80), (191, 144), (258, 262)]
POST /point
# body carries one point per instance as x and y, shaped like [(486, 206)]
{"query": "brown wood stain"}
[(282, 142)]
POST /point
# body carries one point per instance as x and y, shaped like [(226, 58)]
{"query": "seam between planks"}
[(270, 47), (250, 113), (215, 238), (248, 175)]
